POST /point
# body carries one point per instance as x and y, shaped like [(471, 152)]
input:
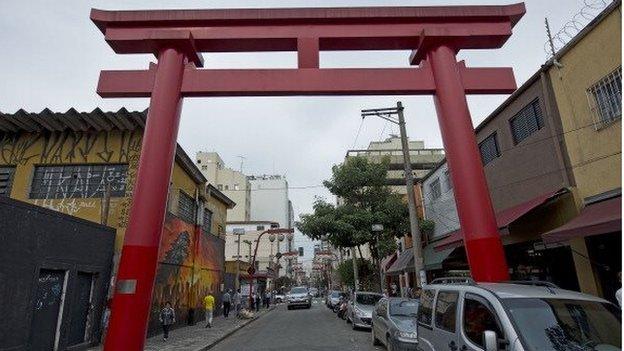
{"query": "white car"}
[(461, 315), (360, 309), (298, 297)]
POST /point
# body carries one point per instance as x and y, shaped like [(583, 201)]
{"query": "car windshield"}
[(298, 291), (403, 308), (367, 299), (560, 324)]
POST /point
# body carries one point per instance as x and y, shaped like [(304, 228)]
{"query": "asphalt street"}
[(301, 329)]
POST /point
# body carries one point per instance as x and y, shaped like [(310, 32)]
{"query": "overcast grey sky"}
[(52, 54)]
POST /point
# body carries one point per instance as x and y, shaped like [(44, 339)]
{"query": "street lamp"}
[(378, 228), (238, 232)]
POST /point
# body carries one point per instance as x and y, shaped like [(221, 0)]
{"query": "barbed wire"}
[(589, 11)]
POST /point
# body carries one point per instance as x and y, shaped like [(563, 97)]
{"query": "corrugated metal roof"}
[(96, 120)]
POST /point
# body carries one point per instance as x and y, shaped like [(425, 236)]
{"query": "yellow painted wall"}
[(26, 150), (594, 154)]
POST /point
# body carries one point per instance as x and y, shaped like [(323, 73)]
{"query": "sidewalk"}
[(196, 337)]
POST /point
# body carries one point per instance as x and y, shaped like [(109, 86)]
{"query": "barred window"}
[(526, 122), (207, 221), (78, 181), (186, 207), (605, 99), (489, 149), (6, 180), (447, 180), (434, 189)]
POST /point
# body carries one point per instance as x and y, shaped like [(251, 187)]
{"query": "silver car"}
[(299, 296), (394, 323), (360, 309), (462, 315)]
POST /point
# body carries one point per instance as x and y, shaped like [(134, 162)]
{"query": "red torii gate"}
[(177, 37)]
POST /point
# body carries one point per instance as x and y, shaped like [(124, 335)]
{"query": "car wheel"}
[(309, 305), (374, 338), (353, 326), (289, 308)]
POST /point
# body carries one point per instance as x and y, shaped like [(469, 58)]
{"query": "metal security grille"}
[(186, 207), (605, 99), (207, 221), (489, 149), (6, 180), (526, 122), (78, 181)]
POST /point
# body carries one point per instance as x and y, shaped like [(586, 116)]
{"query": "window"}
[(204, 167), (227, 187), (236, 187), (220, 186), (489, 149), (186, 207), (260, 227), (6, 180), (207, 221), (526, 122), (605, 99), (446, 310), (477, 318), (426, 307), (434, 189), (78, 181)]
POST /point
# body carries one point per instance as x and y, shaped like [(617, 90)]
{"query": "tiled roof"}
[(96, 120)]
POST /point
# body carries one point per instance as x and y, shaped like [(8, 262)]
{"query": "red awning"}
[(598, 218), (503, 219), (387, 262)]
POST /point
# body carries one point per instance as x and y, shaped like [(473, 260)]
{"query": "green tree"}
[(365, 200)]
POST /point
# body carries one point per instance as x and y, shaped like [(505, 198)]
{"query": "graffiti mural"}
[(190, 266)]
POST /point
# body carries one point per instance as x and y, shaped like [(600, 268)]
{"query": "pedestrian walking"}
[(167, 319), (267, 299), (209, 303), (258, 302), (227, 303), (236, 299)]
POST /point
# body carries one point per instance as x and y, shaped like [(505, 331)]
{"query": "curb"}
[(228, 334)]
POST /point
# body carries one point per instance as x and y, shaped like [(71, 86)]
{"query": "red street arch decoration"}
[(178, 37)]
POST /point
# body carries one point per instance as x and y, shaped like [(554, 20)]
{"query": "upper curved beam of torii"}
[(308, 31)]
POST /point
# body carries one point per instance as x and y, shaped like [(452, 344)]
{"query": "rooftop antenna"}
[(242, 160)]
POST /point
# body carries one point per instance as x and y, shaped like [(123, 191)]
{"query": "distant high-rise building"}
[(233, 184), (269, 200)]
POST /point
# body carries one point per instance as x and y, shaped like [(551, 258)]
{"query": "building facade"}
[(233, 184), (552, 156), (84, 164)]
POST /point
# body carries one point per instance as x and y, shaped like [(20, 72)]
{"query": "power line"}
[(357, 135)]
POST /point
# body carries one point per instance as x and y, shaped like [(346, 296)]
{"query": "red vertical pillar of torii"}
[(486, 257), (137, 268)]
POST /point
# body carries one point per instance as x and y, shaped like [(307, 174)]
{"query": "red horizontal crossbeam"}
[(285, 82)]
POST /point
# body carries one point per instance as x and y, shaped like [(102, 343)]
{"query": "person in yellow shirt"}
[(209, 303)]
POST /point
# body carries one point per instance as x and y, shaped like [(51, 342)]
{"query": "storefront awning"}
[(433, 258), (387, 262), (503, 219), (402, 263), (598, 218)]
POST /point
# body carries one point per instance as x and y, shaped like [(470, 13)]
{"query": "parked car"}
[(299, 296), (314, 292), (360, 310), (333, 297), (279, 298), (459, 314), (394, 323)]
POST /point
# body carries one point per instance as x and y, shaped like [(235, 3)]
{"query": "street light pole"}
[(238, 232), (387, 113)]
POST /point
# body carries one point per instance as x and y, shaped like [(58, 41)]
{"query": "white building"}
[(269, 200), (233, 184), (439, 201), (253, 229)]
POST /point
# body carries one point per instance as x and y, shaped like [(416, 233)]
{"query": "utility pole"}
[(386, 114), (106, 204)]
